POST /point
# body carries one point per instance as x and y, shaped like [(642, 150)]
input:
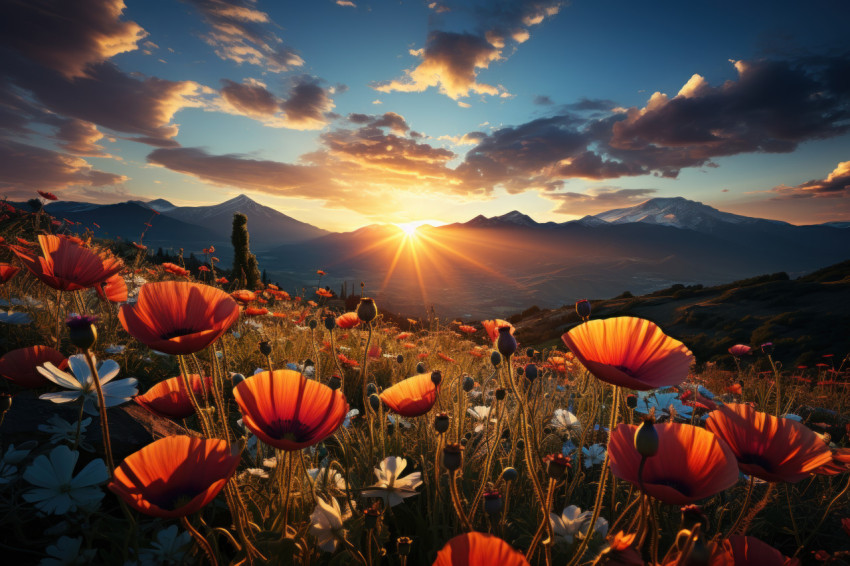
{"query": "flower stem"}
[(457, 503), (743, 507), (104, 423), (202, 542)]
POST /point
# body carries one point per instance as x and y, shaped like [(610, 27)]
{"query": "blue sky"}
[(347, 113)]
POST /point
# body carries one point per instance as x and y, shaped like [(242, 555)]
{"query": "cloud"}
[(240, 33), (543, 100), (395, 122), (451, 62), (80, 138), (835, 185), (598, 200), (306, 105), (250, 98), (347, 3), (28, 168), (68, 37)]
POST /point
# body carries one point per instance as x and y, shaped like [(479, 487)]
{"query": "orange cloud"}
[(835, 185)]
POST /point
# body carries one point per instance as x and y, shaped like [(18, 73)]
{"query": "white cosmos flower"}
[(11, 458), (169, 548), (81, 383), (391, 488), (348, 416), (601, 526), (325, 477), (62, 430), (14, 317), (662, 402), (114, 349), (58, 490), (68, 552), (480, 412), (257, 473), (593, 455), (326, 524), (569, 522), (564, 420)]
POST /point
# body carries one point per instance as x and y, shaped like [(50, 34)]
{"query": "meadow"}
[(284, 428)]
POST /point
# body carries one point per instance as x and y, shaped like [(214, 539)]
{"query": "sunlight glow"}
[(409, 228)]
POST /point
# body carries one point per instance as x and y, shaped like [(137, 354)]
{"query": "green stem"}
[(104, 423), (202, 542)]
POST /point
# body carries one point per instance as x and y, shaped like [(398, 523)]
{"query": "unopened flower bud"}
[(400, 358), (237, 378), (420, 368), (335, 382), (313, 324), (631, 401), (375, 402), (520, 371), (583, 309), (531, 372), (468, 383), (464, 441), (452, 456), (492, 502), (520, 444), (506, 343), (693, 514), (646, 438), (436, 377), (330, 321), (367, 310), (529, 352), (495, 358), (370, 517), (82, 331), (403, 545), (556, 465), (371, 389), (501, 392), (441, 423), (767, 348), (510, 474), (265, 348)]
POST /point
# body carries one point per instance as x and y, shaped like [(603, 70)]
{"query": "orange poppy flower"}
[(492, 327), (313, 303), (411, 397), (7, 271), (179, 317), (476, 353), (478, 549), (348, 320), (253, 311), (320, 272), (735, 389), (767, 447), (48, 196), (750, 551), (19, 366), (222, 281), (468, 329), (840, 463), (691, 463), (403, 335), (175, 269), (288, 411), (175, 476), (375, 352), (114, 291), (324, 293), (68, 266), (203, 269), (631, 352), (169, 399), (445, 357)]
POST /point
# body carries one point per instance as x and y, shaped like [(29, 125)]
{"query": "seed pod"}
[(420, 368), (468, 383), (501, 392), (335, 382), (646, 438), (237, 378), (510, 474), (441, 423), (506, 342), (452, 456), (495, 358), (313, 324), (371, 389), (367, 310), (556, 465), (330, 321), (436, 377), (531, 372), (631, 400), (375, 402), (492, 502), (403, 545), (265, 348), (400, 359), (583, 309)]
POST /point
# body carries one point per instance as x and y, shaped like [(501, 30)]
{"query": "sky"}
[(343, 113)]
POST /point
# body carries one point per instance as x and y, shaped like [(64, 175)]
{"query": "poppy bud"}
[(370, 517), (82, 330), (330, 321), (436, 377), (510, 474), (374, 402), (646, 438), (367, 310), (556, 465), (506, 342), (452, 456), (468, 383), (403, 545), (400, 359), (371, 389), (501, 392), (313, 324), (335, 382), (463, 441), (420, 368), (441, 423), (237, 378), (5, 402), (691, 515), (767, 348), (520, 371), (495, 358), (631, 401), (492, 502), (583, 309), (265, 348), (520, 444), (529, 352), (467, 435), (531, 372)]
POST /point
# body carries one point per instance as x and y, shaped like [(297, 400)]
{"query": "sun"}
[(409, 228)]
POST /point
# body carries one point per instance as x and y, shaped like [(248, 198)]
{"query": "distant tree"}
[(245, 267)]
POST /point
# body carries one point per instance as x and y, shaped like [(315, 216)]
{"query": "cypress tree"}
[(245, 267)]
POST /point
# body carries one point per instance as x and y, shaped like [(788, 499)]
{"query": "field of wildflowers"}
[(309, 435)]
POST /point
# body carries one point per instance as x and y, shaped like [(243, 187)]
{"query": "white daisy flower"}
[(324, 478), (569, 522), (326, 524), (257, 473), (81, 383), (601, 527), (68, 552), (390, 487), (270, 462), (564, 420), (593, 455), (58, 491), (63, 431), (479, 412)]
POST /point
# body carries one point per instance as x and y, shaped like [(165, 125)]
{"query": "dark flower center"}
[(626, 370), (676, 484), (756, 460), (176, 497), (177, 333), (292, 430)]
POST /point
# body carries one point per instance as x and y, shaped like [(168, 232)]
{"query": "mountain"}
[(159, 205), (267, 226), (679, 212)]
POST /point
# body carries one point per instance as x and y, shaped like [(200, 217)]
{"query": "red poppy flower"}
[(631, 352), (244, 296), (253, 311), (7, 271), (476, 353), (144, 247), (840, 463), (767, 447), (403, 335), (222, 281), (691, 463), (375, 352), (203, 269), (348, 320), (169, 399), (313, 303), (468, 329), (67, 266), (739, 350), (445, 357), (411, 397), (408, 345), (478, 549), (324, 293), (347, 361), (750, 551), (179, 317), (320, 272), (288, 411), (492, 327), (114, 290), (175, 269), (175, 476), (19, 366), (48, 196)]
